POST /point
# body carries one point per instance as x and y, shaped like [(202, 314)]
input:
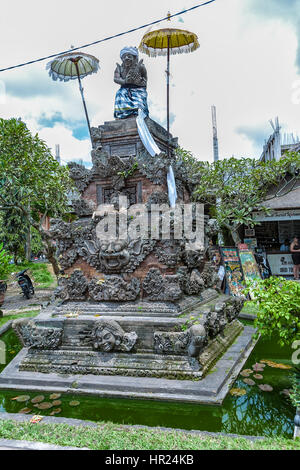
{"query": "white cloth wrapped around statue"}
[(132, 76)]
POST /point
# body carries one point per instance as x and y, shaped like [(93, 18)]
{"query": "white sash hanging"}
[(151, 146)]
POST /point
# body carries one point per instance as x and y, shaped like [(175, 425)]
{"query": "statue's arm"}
[(143, 71), (117, 76)]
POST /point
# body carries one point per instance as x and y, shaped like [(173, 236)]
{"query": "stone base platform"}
[(211, 389)]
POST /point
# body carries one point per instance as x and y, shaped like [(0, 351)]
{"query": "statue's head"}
[(129, 55), (107, 336)]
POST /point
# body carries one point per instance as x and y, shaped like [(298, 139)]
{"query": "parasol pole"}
[(83, 100), (168, 94)]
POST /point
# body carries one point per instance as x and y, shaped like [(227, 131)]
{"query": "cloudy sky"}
[(248, 66)]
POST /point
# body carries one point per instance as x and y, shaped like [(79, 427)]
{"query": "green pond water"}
[(255, 413)]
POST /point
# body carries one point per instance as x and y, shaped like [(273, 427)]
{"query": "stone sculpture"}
[(37, 337), (108, 336), (132, 76)]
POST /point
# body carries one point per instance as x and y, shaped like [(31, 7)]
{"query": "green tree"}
[(14, 228), (4, 262), (237, 187), (31, 181)]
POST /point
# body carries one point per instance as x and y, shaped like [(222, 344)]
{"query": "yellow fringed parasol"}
[(168, 41), (177, 41)]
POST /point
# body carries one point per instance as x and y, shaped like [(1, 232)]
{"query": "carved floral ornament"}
[(34, 336)]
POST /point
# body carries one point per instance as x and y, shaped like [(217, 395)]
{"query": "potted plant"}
[(4, 263)]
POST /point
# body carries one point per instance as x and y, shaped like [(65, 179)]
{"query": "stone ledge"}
[(210, 390)]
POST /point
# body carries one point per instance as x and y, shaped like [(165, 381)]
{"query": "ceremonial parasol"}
[(72, 66), (168, 41)]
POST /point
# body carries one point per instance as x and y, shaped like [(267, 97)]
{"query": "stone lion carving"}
[(108, 336), (37, 337)]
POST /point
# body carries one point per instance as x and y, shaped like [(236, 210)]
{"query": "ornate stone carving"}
[(80, 174), (61, 292), (83, 208), (216, 320), (107, 166), (37, 337), (211, 228), (114, 288), (77, 286), (117, 255), (169, 252), (193, 258), (233, 307), (209, 276), (191, 283), (189, 342), (155, 169), (162, 288), (68, 258), (108, 336), (158, 197)]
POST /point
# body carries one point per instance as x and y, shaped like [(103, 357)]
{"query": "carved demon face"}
[(114, 255)]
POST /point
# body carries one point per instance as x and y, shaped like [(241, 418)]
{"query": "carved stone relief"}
[(108, 336), (114, 288), (37, 337)]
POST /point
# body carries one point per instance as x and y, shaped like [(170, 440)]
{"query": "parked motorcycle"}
[(25, 283)]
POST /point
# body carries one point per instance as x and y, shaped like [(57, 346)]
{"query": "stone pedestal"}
[(143, 307)]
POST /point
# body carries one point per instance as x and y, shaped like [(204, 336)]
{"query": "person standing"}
[(295, 250)]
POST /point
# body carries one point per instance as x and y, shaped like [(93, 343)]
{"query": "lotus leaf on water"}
[(21, 398), (258, 376), (246, 372), (56, 402), (38, 399), (44, 406), (74, 403), (286, 392), (54, 396), (25, 410), (55, 412), (249, 381), (258, 367), (237, 392), (266, 388)]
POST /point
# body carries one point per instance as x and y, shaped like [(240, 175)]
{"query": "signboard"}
[(249, 265), (243, 246), (233, 270), (251, 243), (281, 264)]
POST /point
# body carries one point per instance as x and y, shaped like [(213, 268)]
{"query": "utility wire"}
[(108, 38)]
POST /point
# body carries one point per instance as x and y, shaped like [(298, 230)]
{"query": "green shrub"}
[(278, 308)]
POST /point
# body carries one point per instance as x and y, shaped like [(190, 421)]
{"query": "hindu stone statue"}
[(142, 302), (132, 76)]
